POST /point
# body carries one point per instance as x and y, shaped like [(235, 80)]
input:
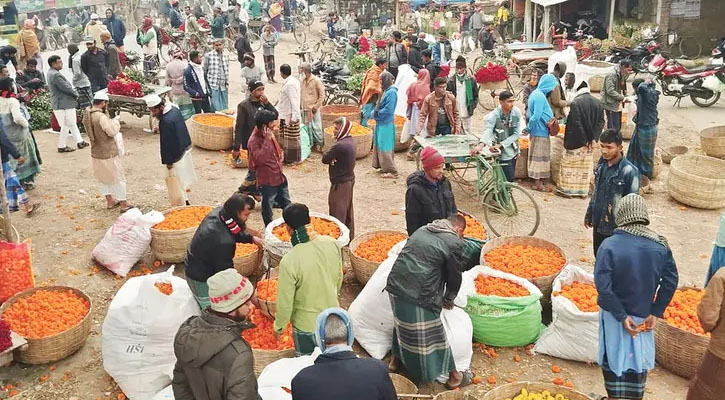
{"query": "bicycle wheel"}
[(300, 36), (515, 74), (307, 19), (321, 9), (255, 41), (510, 210), (690, 47), (50, 43), (229, 45), (344, 99)]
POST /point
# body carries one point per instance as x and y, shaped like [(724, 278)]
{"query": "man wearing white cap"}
[(175, 148), (213, 361), (94, 28), (93, 64), (105, 156)]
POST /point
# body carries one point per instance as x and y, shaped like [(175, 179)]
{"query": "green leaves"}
[(40, 111), (355, 82), (359, 64)]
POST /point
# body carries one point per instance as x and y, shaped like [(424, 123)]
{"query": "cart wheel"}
[(515, 74), (510, 210)]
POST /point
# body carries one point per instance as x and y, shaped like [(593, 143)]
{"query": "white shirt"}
[(224, 5), (243, 16), (461, 98), (444, 56), (289, 100)]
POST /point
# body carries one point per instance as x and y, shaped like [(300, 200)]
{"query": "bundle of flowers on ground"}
[(491, 73), (525, 261), (262, 335)]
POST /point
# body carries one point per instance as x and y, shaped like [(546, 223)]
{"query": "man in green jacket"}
[(614, 92), (310, 277), (217, 24), (255, 9)]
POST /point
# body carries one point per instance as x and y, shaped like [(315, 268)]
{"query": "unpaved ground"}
[(73, 218)]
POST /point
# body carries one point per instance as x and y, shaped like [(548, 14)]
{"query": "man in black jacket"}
[(213, 246), (414, 55), (242, 44), (93, 64), (433, 68), (429, 195), (338, 370)]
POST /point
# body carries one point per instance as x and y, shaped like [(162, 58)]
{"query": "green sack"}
[(471, 253)]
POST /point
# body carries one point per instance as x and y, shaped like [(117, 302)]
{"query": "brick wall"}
[(709, 25)]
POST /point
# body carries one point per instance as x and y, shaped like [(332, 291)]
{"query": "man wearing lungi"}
[(289, 115), (424, 279), (341, 159), (641, 151), (312, 98), (635, 276)]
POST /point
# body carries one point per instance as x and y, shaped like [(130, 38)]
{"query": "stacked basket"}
[(712, 141), (697, 181), (248, 265), (211, 137)]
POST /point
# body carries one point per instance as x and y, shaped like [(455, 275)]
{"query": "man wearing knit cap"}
[(251, 73), (463, 86), (213, 361), (429, 196), (635, 276)]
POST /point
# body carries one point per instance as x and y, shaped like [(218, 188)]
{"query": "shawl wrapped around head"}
[(371, 84), (28, 44), (631, 216), (344, 129), (420, 89)]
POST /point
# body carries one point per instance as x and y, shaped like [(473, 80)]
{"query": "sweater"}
[(711, 313), (245, 121), (426, 201), (585, 121), (629, 271), (175, 138), (613, 91), (341, 159), (310, 277), (116, 28), (93, 65)]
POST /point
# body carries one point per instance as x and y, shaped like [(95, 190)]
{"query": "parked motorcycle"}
[(718, 52), (640, 56), (680, 82)]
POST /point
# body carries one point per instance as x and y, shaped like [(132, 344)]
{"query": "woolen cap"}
[(100, 96), (631, 209), (430, 158), (254, 85), (228, 290)]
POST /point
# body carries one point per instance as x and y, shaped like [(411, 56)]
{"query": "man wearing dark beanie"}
[(464, 87), (429, 196)]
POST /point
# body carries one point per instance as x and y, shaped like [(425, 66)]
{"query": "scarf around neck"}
[(469, 87), (303, 234), (231, 224)]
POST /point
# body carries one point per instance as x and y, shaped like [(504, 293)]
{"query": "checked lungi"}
[(539, 157), (304, 342), (576, 172), (291, 142), (630, 385), (419, 341), (15, 191), (641, 151)]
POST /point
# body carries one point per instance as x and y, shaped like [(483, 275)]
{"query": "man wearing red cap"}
[(429, 196)]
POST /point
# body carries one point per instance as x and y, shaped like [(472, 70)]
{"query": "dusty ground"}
[(73, 218)]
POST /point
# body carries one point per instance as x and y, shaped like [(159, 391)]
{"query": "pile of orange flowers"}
[(356, 130), (525, 261), (267, 289), (321, 226), (15, 269), (583, 295), (187, 217), (164, 287), (215, 120), (523, 143), (245, 249), (399, 121), (682, 311), (46, 313), (262, 335), (493, 286), (377, 247), (474, 228)]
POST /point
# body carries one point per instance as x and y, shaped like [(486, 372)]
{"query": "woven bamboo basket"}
[(364, 269), (492, 85), (400, 146), (171, 246), (211, 137), (712, 141), (544, 283), (697, 181), (262, 358), (332, 112), (678, 350), (403, 385), (596, 83), (249, 265), (363, 143), (59, 346), (669, 153), (511, 390), (455, 395), (274, 259)]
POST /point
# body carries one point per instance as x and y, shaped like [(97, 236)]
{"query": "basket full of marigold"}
[(368, 250)]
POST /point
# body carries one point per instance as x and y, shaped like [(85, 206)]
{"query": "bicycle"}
[(254, 32), (152, 68), (55, 38), (299, 35), (688, 46), (337, 96)]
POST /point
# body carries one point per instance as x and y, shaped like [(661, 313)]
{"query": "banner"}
[(25, 6)]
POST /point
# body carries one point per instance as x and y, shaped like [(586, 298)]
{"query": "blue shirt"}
[(610, 185), (647, 99)]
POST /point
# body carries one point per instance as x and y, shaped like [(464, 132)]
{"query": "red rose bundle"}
[(491, 73), (124, 86)]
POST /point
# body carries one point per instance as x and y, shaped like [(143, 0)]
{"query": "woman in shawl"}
[(17, 129), (371, 89), (28, 44), (175, 79), (384, 135), (416, 94), (270, 39)]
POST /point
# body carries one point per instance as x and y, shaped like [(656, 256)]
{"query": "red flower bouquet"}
[(124, 86), (491, 73)]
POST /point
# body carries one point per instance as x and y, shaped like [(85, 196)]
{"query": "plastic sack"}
[(138, 333), (713, 83), (567, 56), (573, 334), (585, 70), (280, 373), (405, 133), (277, 246), (406, 77), (459, 333), (503, 321), (166, 394), (126, 241), (17, 269), (471, 252), (305, 143)]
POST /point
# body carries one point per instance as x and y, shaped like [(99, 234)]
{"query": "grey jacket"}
[(80, 79), (614, 90), (213, 361), (62, 94)]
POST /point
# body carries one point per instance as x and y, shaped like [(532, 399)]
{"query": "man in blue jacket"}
[(116, 28), (195, 83), (614, 178), (641, 150)]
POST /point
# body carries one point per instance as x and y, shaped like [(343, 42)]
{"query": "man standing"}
[(265, 159), (434, 69), (63, 101), (175, 145), (195, 84), (93, 64), (425, 279), (113, 62), (614, 92), (175, 17), (95, 28), (217, 24), (310, 277), (71, 19), (429, 195), (501, 130), (502, 19), (251, 72), (212, 248), (635, 276), (107, 167), (213, 361), (486, 39), (116, 28), (338, 369), (583, 127), (289, 115), (80, 80), (641, 150), (396, 52), (372, 89), (243, 128), (415, 59), (31, 78), (216, 71), (341, 159), (242, 45), (313, 97), (255, 9), (477, 23), (439, 114), (464, 88), (614, 178), (442, 50)]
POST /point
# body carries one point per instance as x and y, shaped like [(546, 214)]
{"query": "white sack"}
[(406, 77), (584, 72), (280, 374), (166, 394), (573, 334), (138, 333), (568, 56)]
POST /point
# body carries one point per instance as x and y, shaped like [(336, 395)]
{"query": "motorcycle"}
[(718, 52), (640, 56), (678, 81)]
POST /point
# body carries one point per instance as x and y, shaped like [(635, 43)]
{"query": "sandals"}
[(388, 175), (116, 204), (83, 145), (465, 381), (65, 149), (32, 210)]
